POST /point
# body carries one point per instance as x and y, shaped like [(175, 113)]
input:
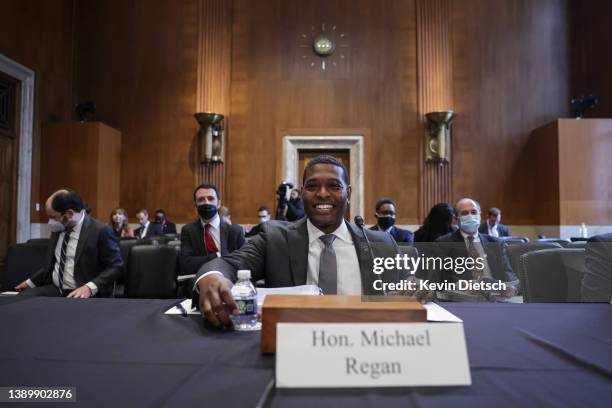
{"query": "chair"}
[(576, 244), (126, 246), (21, 262), (159, 239), (515, 252), (152, 272), (514, 240), (553, 275), (561, 241), (39, 241)]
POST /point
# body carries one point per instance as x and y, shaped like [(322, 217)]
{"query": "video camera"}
[(281, 199)]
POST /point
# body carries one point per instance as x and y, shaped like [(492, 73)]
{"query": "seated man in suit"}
[(264, 216), (492, 225), (147, 228), (209, 236), (466, 243), (165, 226), (83, 258), (321, 249), (597, 280), (385, 216)]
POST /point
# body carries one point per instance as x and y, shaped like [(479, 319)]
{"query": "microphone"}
[(361, 223)]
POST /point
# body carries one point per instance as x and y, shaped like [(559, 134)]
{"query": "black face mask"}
[(386, 222), (207, 211)]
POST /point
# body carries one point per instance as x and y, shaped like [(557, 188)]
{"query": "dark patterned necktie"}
[(473, 253), (328, 268), (62, 262)]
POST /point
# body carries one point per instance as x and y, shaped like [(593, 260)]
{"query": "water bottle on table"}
[(245, 296)]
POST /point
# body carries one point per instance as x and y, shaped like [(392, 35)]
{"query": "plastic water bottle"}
[(245, 296)]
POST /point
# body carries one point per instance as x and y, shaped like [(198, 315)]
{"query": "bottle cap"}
[(244, 274)]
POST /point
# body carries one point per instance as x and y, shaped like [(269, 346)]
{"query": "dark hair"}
[(67, 200), (437, 223), (160, 211), (384, 201), (124, 224), (206, 186), (263, 208), (494, 211), (323, 159), (144, 211)]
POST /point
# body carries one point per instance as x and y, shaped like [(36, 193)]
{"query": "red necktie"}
[(209, 242)]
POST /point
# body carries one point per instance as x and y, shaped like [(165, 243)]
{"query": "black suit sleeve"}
[(170, 228), (251, 256), (110, 258), (295, 210), (190, 262)]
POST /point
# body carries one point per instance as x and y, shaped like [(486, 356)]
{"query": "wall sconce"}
[(438, 138), (211, 135)]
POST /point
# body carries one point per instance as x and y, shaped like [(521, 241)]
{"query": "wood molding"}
[(435, 92), (213, 76)]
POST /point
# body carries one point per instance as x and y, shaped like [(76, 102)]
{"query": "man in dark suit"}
[(165, 226), (264, 216), (466, 243), (322, 249), (147, 228), (209, 236), (597, 280), (385, 221), (492, 225), (83, 258)]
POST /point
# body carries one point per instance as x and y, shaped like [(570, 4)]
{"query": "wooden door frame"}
[(24, 158)]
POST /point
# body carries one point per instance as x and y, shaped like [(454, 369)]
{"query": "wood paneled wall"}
[(39, 35), (511, 75), (137, 60), (275, 87)]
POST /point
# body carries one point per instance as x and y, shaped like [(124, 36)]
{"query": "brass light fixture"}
[(211, 135), (438, 137)]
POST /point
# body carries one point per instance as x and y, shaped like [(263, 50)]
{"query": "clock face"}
[(323, 46)]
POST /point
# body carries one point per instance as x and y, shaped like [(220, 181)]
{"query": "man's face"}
[(494, 219), (326, 196), (466, 207), (160, 218), (207, 196), (54, 215), (142, 218), (293, 194), (386, 210), (263, 216)]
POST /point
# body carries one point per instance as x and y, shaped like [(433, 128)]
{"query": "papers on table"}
[(305, 290), (9, 293), (436, 313)]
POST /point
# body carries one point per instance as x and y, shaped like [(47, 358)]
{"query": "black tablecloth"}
[(123, 352)]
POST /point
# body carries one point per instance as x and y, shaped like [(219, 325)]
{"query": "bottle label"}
[(247, 306)]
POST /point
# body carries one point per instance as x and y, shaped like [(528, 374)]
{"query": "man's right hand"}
[(216, 301), (22, 286)]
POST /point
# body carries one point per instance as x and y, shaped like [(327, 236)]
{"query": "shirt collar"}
[(465, 236), (341, 232), (215, 222)]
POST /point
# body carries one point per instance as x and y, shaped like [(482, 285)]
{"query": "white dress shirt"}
[(69, 282), (215, 231), (348, 272), (493, 230), (145, 228)]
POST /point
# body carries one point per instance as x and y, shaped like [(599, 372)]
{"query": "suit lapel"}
[(199, 237), (297, 240), (224, 234), (85, 228), (364, 257)]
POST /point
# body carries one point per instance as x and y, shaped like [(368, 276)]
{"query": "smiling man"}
[(321, 249)]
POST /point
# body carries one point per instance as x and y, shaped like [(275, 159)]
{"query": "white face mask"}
[(56, 226)]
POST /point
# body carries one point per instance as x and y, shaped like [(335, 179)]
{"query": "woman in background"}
[(295, 206), (119, 223), (437, 223)]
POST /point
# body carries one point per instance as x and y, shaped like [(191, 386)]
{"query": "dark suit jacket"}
[(193, 251), (279, 255), (452, 245), (400, 235), (154, 230), (597, 280), (98, 258), (254, 231), (502, 229), (167, 228)]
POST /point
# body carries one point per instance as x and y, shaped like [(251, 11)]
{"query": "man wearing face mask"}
[(83, 258), (263, 213), (165, 226), (385, 216), (209, 236), (466, 242)]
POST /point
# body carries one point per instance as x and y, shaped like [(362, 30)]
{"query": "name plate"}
[(325, 355)]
